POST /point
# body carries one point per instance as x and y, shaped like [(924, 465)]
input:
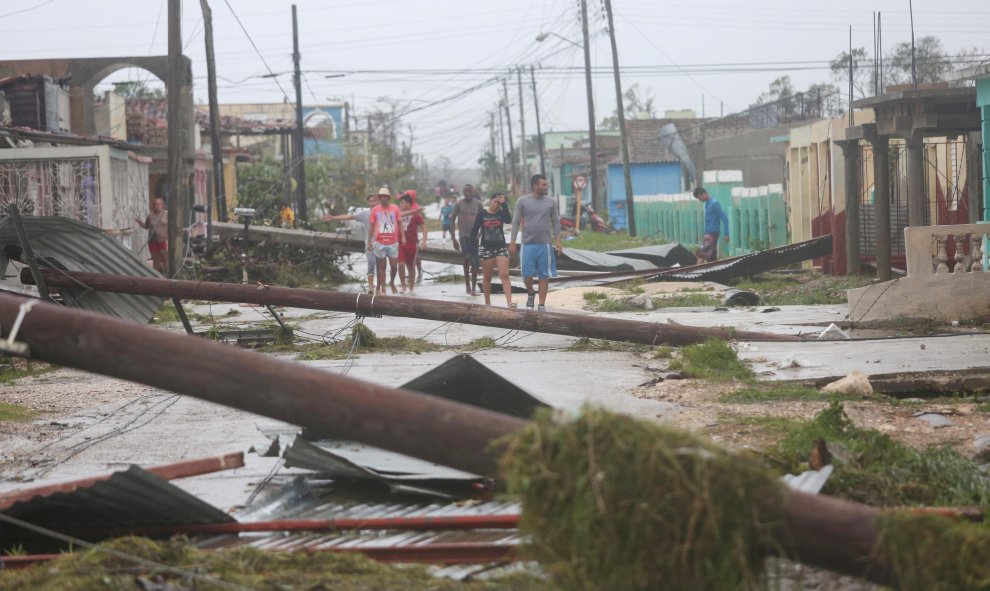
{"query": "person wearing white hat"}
[(385, 233)]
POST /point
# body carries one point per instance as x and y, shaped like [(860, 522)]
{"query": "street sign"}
[(580, 182)]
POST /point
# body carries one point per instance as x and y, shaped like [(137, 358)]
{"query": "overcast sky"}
[(420, 52)]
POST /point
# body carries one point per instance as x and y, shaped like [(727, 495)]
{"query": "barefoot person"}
[(715, 218), (540, 222), (157, 226), (489, 227), (465, 212), (412, 223), (385, 233), (363, 217)]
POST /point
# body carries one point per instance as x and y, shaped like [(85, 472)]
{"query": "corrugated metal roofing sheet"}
[(576, 259), (661, 255), (75, 246), (133, 497)]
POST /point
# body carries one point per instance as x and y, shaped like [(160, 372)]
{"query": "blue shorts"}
[(386, 251), (538, 260)]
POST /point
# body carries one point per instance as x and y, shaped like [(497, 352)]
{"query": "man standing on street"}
[(541, 222), (714, 219), (385, 233), (465, 212), (157, 226), (363, 217)]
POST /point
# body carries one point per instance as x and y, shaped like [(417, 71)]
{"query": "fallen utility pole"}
[(578, 325), (818, 530)]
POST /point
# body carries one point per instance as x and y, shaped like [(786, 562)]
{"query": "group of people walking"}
[(395, 233)]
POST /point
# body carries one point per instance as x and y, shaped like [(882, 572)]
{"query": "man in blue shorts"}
[(540, 221)]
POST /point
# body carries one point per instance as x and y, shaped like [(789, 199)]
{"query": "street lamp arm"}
[(543, 37)]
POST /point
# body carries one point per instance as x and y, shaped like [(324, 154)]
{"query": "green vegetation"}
[(594, 296), (686, 300), (663, 352), (761, 392), (622, 305), (15, 413), (613, 502), (805, 289), (933, 551), (586, 344), (873, 468), (93, 570), (713, 360), (449, 278), (167, 314), (15, 368), (480, 344)]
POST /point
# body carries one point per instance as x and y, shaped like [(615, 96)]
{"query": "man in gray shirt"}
[(362, 216), (540, 223)]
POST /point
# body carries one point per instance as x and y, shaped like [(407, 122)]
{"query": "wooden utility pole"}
[(494, 154), (523, 159), (623, 132), (539, 130), (508, 126), (596, 194), (176, 188), (578, 325), (211, 76), (501, 147), (299, 148)]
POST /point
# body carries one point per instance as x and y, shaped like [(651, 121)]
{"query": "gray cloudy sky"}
[(423, 51)]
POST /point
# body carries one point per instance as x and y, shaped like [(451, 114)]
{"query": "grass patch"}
[(713, 360), (15, 413), (686, 300), (480, 344), (761, 392), (613, 502), (586, 344), (807, 289), (873, 468), (363, 340), (15, 368), (167, 314), (92, 570), (663, 352), (617, 306), (594, 296)]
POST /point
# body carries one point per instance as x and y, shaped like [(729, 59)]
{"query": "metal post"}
[(182, 315), (299, 151), (28, 254), (623, 132), (593, 143), (914, 64), (523, 159)]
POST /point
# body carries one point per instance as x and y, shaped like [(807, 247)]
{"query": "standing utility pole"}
[(914, 65), (539, 131), (623, 135), (491, 138), (523, 159), (595, 193), (508, 126), (176, 188), (211, 75), (501, 146), (299, 149)]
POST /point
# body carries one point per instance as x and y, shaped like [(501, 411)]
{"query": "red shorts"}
[(407, 252), (156, 247)]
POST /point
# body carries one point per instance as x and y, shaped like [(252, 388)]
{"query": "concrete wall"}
[(111, 116), (760, 155), (931, 289)]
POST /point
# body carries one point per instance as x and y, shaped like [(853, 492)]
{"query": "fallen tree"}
[(578, 325)]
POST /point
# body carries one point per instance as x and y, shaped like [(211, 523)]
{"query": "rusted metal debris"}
[(578, 325)]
